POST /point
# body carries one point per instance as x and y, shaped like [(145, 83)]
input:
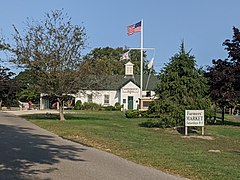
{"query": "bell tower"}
[(129, 70)]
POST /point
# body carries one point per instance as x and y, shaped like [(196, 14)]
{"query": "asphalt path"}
[(29, 152)]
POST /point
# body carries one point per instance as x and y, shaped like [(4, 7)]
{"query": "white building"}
[(123, 89)]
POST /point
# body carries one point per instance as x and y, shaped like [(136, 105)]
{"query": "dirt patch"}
[(199, 137)]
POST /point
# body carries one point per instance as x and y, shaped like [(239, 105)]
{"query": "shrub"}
[(153, 123), (91, 106), (118, 106), (136, 114), (143, 114), (162, 122), (78, 105), (109, 108), (132, 113)]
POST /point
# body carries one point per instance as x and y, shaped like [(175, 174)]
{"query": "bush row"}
[(96, 107)]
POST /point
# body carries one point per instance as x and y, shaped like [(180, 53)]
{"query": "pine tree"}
[(181, 87)]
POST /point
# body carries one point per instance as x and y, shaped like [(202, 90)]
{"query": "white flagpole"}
[(141, 80)]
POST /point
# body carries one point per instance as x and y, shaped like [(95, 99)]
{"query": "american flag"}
[(134, 28)]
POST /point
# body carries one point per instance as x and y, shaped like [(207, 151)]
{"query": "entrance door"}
[(130, 102)]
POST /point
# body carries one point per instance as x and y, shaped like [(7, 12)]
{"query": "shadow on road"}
[(23, 154)]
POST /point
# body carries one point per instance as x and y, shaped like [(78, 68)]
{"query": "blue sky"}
[(203, 24)]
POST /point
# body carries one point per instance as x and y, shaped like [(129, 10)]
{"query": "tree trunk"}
[(8, 103), (233, 109), (215, 115), (1, 104), (61, 108), (223, 114)]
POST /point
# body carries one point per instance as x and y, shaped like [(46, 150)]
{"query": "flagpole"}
[(141, 66)]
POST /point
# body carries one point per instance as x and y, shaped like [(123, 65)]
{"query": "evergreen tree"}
[(181, 87)]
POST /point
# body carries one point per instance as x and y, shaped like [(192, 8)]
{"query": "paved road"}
[(29, 152)]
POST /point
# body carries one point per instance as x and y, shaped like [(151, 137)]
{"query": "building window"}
[(106, 99), (129, 70), (146, 104), (124, 101), (89, 97)]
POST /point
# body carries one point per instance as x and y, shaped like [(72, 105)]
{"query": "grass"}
[(164, 149)]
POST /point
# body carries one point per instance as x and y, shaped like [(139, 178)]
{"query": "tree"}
[(28, 90), (233, 49), (224, 75), (8, 86), (107, 60), (51, 48), (181, 87), (221, 80)]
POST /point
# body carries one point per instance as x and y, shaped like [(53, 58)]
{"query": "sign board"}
[(130, 90), (194, 117)]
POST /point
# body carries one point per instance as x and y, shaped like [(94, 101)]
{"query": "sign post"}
[(194, 118)]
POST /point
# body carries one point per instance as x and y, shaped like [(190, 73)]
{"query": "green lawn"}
[(163, 149)]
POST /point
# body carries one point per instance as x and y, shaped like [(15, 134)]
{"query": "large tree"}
[(181, 86), (224, 75), (52, 49), (107, 60), (221, 80), (233, 49)]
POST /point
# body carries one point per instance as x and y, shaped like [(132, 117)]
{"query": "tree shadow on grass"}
[(84, 118), (56, 117), (226, 122), (231, 123), (191, 130), (47, 116), (21, 152)]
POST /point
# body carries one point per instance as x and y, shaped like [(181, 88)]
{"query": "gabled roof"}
[(129, 63), (126, 82), (116, 82)]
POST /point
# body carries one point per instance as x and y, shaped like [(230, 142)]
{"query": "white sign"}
[(130, 90), (194, 117)]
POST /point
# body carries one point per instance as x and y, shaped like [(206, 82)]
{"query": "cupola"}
[(129, 69)]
